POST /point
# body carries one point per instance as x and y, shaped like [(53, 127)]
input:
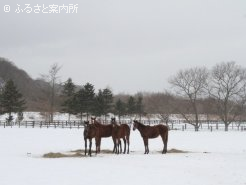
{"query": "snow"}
[(214, 158), (37, 116)]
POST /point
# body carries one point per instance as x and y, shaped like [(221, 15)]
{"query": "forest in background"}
[(218, 92)]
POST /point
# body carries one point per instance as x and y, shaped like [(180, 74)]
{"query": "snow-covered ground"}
[(214, 158)]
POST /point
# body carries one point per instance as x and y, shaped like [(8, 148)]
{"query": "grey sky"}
[(128, 45)]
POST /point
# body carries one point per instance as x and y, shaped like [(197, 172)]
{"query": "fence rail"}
[(173, 125), (44, 124)]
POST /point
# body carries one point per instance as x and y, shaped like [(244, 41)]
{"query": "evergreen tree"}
[(131, 105), (108, 100), (120, 108), (139, 106), (79, 99), (11, 100), (68, 91), (89, 98), (1, 111), (103, 102), (99, 104), (68, 88), (85, 100)]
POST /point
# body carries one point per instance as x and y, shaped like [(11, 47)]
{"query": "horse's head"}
[(113, 121), (93, 120), (86, 123), (89, 129), (135, 124)]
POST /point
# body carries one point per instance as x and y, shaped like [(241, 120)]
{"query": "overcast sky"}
[(128, 45)]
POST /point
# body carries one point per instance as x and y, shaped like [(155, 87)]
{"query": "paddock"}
[(210, 158)]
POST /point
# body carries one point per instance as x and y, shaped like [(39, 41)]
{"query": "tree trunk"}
[(196, 128), (87, 116), (68, 117), (226, 127), (81, 117)]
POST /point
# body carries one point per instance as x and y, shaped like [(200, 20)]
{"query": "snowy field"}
[(213, 158)]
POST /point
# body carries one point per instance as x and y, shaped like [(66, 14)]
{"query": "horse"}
[(89, 133), (102, 131), (152, 132), (121, 131)]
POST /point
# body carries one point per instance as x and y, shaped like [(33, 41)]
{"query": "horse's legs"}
[(128, 143), (90, 143), (165, 139), (85, 146), (120, 146), (124, 139), (115, 144), (146, 145), (99, 144), (97, 141)]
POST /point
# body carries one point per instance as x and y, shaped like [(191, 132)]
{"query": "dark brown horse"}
[(102, 131), (121, 131), (89, 133), (152, 132)]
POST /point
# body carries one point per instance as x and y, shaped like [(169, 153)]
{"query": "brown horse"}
[(121, 131), (89, 133), (152, 132), (102, 131)]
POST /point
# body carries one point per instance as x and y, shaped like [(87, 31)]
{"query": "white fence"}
[(173, 124)]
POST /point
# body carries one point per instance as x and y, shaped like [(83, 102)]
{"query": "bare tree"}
[(190, 83), (160, 104), (226, 84), (52, 78), (242, 106)]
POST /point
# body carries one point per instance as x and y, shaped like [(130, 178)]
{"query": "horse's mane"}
[(114, 122), (141, 124)]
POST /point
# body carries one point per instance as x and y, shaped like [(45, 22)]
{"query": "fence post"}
[(41, 124), (182, 127), (33, 124), (26, 124), (211, 128), (217, 126)]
